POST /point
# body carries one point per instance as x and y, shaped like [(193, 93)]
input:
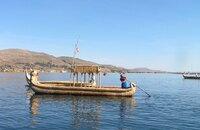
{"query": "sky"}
[(157, 34)]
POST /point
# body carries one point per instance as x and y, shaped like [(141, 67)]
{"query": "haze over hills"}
[(19, 60), (145, 70)]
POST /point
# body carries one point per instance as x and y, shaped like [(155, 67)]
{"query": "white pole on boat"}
[(100, 79), (75, 51), (97, 84), (93, 79), (73, 78)]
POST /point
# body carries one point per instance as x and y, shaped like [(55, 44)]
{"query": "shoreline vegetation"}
[(19, 60)]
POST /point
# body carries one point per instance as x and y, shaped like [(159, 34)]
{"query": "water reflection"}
[(34, 103), (31, 99), (83, 111)]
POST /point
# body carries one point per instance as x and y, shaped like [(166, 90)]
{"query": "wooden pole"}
[(84, 78), (74, 56), (81, 78), (88, 77), (76, 77)]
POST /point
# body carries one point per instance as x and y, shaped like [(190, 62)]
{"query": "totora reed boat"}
[(83, 83)]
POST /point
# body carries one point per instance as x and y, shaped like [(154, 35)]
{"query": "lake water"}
[(174, 104)]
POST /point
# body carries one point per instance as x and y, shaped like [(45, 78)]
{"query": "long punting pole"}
[(140, 89)]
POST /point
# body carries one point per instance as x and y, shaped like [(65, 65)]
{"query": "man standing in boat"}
[(123, 80)]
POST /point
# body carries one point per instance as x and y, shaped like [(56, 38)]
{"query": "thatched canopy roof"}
[(87, 69)]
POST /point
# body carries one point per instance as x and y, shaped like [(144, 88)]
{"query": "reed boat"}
[(88, 86), (191, 76), (28, 78)]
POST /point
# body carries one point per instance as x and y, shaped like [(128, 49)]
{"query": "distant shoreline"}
[(58, 71)]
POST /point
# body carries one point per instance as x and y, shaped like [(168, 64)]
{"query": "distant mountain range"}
[(145, 70), (19, 60)]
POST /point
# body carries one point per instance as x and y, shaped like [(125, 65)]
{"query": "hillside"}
[(19, 60), (68, 60)]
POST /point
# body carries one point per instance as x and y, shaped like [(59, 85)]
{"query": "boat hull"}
[(87, 92), (191, 77)]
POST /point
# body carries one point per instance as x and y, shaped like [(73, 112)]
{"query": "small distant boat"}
[(75, 87), (191, 76)]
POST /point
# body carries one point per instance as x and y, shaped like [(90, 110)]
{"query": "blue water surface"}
[(174, 104)]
